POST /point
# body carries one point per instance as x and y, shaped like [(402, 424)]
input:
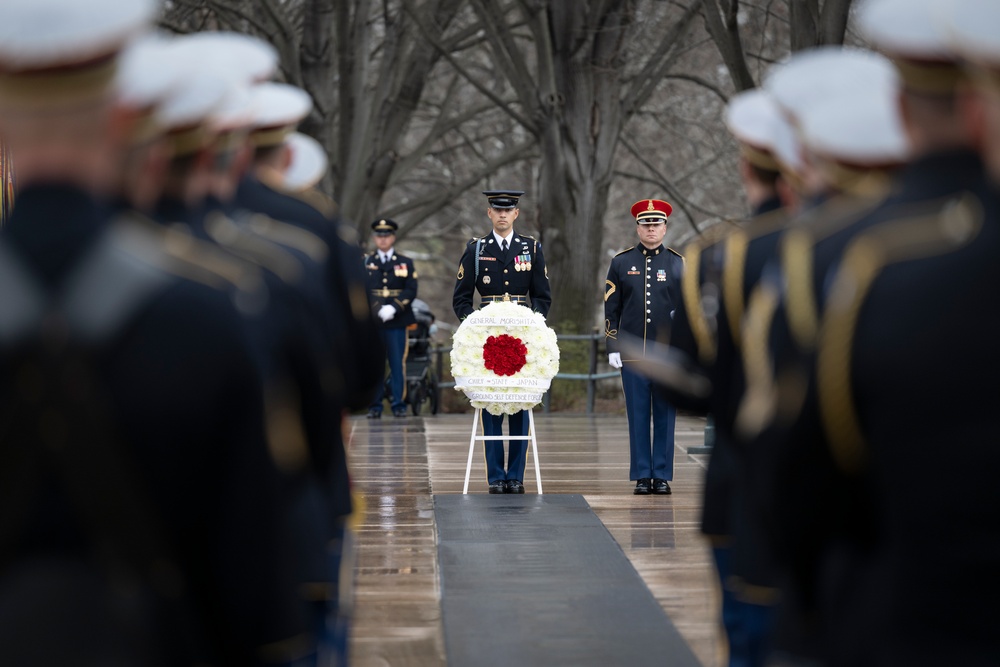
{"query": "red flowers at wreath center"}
[(504, 355)]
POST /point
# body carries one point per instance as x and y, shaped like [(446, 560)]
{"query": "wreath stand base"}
[(501, 438)]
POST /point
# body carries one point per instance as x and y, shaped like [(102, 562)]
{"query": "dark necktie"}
[(505, 247)]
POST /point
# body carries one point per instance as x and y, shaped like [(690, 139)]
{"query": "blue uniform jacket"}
[(641, 293)]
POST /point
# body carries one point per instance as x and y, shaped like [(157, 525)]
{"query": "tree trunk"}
[(722, 24), (580, 131), (318, 69)]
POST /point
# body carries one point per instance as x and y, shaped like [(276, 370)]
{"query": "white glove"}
[(615, 359), (386, 313)]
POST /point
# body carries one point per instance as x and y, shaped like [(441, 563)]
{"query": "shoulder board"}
[(675, 252), (624, 251), (525, 237), (473, 240), (347, 233), (697, 319), (766, 223), (835, 214), (253, 248), (903, 239), (715, 233), (291, 235), (188, 257)]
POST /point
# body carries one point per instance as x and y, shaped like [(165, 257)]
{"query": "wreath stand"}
[(501, 437)]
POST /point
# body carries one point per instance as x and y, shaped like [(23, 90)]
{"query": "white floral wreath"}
[(528, 351)]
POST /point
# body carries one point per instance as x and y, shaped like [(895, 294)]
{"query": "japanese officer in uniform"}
[(503, 266), (392, 287), (641, 292)]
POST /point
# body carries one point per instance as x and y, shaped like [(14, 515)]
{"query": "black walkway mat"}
[(533, 580)]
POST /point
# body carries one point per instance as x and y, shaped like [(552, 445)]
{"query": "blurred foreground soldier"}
[(641, 294), (279, 108), (809, 79), (706, 332), (291, 333), (139, 512), (307, 165), (845, 441), (503, 266), (392, 287), (263, 206)]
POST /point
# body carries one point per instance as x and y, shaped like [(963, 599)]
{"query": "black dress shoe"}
[(643, 487), (514, 486), (498, 487), (374, 414), (661, 487), (400, 412)]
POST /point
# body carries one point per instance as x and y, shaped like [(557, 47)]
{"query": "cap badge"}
[(650, 207)]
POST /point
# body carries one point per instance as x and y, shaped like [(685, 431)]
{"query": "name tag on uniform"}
[(487, 258)]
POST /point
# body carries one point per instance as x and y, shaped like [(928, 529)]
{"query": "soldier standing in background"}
[(642, 291), (392, 287)]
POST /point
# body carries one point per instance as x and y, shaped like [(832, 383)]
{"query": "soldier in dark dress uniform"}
[(642, 292), (392, 287), (168, 370), (503, 266)]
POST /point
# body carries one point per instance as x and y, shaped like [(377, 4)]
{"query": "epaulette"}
[(674, 251), (836, 214), (891, 242), (624, 251), (291, 235), (697, 320), (253, 248), (766, 223), (714, 234), (190, 258), (348, 234)]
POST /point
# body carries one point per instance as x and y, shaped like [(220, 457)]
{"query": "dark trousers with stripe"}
[(651, 457), (395, 344)]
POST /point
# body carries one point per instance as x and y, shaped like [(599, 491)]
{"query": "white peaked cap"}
[(42, 34), (824, 74), (787, 148), (149, 70), (751, 117), (244, 57), (309, 162), (279, 104), (202, 92), (864, 130), (974, 29), (906, 28), (236, 110)]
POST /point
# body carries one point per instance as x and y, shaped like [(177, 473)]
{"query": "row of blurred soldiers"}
[(179, 341), (844, 339)]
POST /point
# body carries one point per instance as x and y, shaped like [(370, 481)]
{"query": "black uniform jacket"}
[(392, 283), (183, 387), (521, 274), (641, 293)]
